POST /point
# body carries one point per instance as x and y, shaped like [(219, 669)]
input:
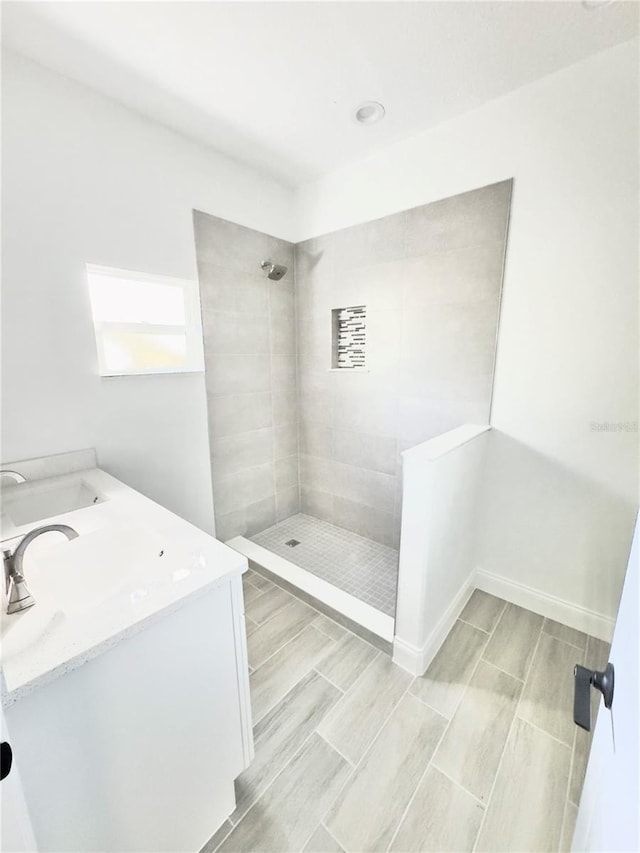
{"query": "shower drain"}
[(292, 543)]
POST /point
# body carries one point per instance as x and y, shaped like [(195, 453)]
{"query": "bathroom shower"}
[(274, 271), (305, 449)]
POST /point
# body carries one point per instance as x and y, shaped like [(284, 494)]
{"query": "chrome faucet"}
[(18, 596), (14, 475)]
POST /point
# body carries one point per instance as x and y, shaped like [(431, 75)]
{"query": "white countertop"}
[(51, 638)]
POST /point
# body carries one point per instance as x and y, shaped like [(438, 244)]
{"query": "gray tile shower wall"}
[(288, 433), (431, 280), (249, 329)]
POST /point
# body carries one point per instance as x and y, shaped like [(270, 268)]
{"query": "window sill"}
[(159, 372)]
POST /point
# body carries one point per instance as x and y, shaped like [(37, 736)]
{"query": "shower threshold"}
[(330, 564)]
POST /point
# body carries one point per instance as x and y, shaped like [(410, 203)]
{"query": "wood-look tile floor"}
[(353, 754)]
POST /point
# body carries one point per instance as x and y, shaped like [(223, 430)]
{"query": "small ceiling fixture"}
[(369, 113), (596, 4)]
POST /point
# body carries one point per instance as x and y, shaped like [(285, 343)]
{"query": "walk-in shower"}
[(383, 338)]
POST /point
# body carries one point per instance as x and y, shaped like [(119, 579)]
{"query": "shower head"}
[(274, 271)]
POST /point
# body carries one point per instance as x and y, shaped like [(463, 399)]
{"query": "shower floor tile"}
[(365, 569)]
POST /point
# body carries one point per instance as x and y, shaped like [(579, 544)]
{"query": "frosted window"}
[(120, 300), (144, 323), (129, 351)]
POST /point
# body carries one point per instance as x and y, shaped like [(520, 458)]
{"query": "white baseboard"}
[(588, 621), (416, 660), (407, 657)]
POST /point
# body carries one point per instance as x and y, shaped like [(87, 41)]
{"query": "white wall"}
[(559, 506), (436, 573), (86, 180)]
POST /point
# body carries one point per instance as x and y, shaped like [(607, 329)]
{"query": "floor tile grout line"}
[(477, 627), (480, 658), (262, 594), (278, 613), (332, 683), (252, 584), (222, 840), (254, 578), (528, 671), (309, 837), (297, 684), (449, 722), (297, 598), (335, 749), (574, 746), (459, 785), (322, 631), (573, 757), (256, 721), (544, 732), (284, 767), (290, 640), (366, 752), (297, 752), (533, 657), (329, 833), (504, 748), (426, 704), (483, 660), (497, 622), (566, 642), (503, 671), (417, 788), (352, 686), (481, 655), (486, 646), (566, 796), (473, 672)]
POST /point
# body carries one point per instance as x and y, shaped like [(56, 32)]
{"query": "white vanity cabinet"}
[(138, 748)]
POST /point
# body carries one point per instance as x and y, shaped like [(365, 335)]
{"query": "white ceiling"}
[(274, 84)]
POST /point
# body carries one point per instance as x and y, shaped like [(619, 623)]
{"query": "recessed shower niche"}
[(378, 337), (348, 337)]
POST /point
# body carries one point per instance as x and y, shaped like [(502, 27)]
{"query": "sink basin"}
[(125, 562), (25, 630), (90, 578), (29, 502)]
